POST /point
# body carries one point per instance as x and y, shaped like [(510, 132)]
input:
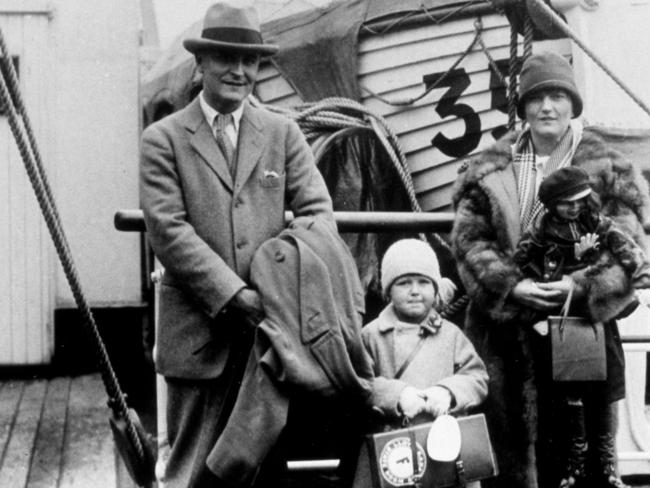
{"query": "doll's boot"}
[(610, 479), (607, 476), (574, 471)]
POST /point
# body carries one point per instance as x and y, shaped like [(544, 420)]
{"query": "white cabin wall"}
[(617, 32), (96, 131), (26, 264)]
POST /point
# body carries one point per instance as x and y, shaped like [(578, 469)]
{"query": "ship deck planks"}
[(55, 434)]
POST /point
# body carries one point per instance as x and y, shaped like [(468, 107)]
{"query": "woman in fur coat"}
[(495, 197)]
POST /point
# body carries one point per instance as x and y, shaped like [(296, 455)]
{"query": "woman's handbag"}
[(577, 347)]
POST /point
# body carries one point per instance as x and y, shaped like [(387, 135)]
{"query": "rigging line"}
[(512, 74), (390, 26), (450, 14), (116, 396), (427, 13), (11, 78), (411, 101), (528, 36), (492, 63), (558, 22)]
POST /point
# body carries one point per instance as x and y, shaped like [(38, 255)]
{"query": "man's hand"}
[(412, 402), (587, 243), (540, 296), (248, 301), (438, 400)]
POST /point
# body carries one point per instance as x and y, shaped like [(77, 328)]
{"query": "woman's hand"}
[(540, 296), (562, 287)]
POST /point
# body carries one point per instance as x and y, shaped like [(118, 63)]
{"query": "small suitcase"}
[(391, 456)]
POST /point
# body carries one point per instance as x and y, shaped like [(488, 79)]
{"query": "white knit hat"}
[(409, 256)]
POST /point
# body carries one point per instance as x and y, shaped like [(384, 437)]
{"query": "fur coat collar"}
[(622, 190)]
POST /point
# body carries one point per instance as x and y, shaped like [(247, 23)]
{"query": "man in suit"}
[(215, 179)]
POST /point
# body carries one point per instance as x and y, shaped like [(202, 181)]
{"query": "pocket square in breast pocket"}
[(270, 178)]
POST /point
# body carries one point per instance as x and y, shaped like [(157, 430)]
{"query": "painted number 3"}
[(458, 81)]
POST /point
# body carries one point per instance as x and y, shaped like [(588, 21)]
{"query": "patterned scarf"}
[(524, 164)]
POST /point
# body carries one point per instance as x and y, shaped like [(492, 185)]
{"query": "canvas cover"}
[(318, 47)]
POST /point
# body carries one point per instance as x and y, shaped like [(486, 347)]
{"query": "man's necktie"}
[(225, 144)]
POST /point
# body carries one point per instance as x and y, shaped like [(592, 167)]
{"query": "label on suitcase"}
[(391, 456)]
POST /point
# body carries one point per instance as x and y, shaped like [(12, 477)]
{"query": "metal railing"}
[(133, 221)]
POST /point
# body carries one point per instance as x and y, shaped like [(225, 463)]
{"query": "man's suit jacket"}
[(204, 227)]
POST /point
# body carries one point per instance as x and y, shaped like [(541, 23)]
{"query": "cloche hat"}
[(231, 26), (547, 70)]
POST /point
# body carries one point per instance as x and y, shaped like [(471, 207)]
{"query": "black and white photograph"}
[(325, 244)]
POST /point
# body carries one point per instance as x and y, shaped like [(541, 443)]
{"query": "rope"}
[(449, 15), (559, 23), (38, 180), (433, 86), (408, 15), (323, 116), (390, 26), (512, 78), (478, 39), (491, 61), (528, 36), (453, 308), (311, 114), (11, 78), (318, 118)]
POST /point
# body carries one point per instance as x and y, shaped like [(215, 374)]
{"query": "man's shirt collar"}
[(210, 113)]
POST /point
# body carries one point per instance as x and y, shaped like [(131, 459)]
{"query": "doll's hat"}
[(570, 183)]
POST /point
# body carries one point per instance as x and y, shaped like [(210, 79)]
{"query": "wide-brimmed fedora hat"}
[(228, 26)]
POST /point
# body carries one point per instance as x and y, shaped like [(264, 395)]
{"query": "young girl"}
[(423, 364), (572, 240)]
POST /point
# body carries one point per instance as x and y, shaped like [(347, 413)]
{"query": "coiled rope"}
[(11, 100), (333, 118)]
